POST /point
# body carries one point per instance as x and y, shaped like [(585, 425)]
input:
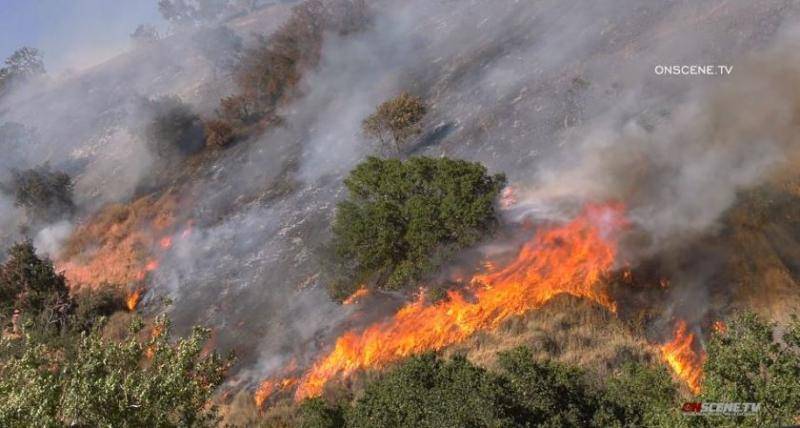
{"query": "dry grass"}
[(241, 411), (568, 330)]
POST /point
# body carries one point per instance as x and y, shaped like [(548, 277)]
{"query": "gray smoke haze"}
[(682, 171), (560, 95)]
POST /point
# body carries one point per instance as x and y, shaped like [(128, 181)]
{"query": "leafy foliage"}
[(24, 63), (402, 218), (45, 194), (397, 120), (92, 306), (426, 391), (54, 373), (31, 286), (644, 396), (746, 363), (107, 383)]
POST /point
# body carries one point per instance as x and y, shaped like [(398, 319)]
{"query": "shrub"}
[(91, 306), (173, 129), (403, 218), (269, 71), (31, 286), (748, 363), (219, 133), (396, 120), (425, 391), (108, 383), (45, 194)]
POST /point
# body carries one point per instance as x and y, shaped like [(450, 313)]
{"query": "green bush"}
[(747, 362), (107, 383), (45, 194), (31, 286), (404, 218), (426, 391), (91, 306)]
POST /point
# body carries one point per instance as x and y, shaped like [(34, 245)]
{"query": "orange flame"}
[(569, 259), (133, 299), (719, 327), (165, 242), (115, 245), (355, 297), (681, 356)]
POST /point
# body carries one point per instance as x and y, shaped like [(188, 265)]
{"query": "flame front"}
[(356, 297), (133, 299), (681, 356), (569, 259)]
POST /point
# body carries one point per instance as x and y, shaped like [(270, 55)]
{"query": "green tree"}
[(396, 120), (45, 194), (132, 383), (747, 363), (404, 218), (31, 286)]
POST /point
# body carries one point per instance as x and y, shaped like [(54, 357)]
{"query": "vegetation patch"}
[(402, 219)]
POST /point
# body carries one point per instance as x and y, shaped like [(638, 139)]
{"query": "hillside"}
[(637, 211)]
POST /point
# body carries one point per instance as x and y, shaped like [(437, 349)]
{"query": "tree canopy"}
[(45, 194), (403, 218)]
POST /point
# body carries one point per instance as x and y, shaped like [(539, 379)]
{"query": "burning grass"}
[(682, 355), (115, 246), (568, 259)]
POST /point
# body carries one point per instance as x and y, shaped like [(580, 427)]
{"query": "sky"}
[(73, 34)]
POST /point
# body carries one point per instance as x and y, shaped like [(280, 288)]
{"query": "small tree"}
[(45, 194), (173, 128), (403, 218), (31, 286), (396, 120)]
